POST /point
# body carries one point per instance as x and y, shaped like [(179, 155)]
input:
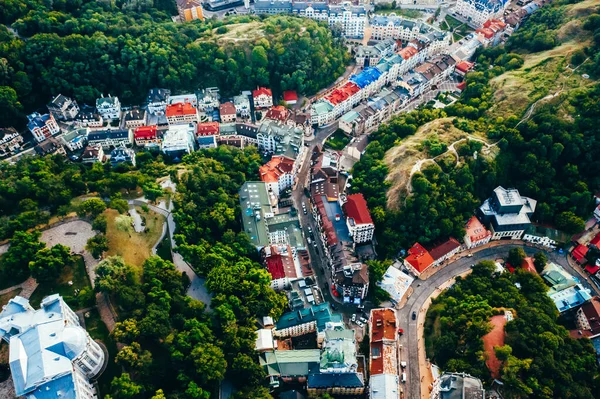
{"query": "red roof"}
[(262, 90), (278, 112), (464, 66), (579, 253), (180, 109), (357, 209), (207, 129), (343, 93), (444, 248), (419, 258), (145, 132), (509, 267), (408, 52), (227, 108), (275, 168), (461, 86), (528, 265), (290, 95), (592, 269), (596, 241), (476, 230)]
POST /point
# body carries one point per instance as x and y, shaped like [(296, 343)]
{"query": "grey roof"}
[(290, 362), (99, 135), (246, 129), (384, 386), (158, 95), (460, 386), (59, 101), (135, 114), (334, 380)]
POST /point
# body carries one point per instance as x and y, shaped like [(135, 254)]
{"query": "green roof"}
[(256, 206), (557, 278), (350, 116), (322, 107), (290, 363), (320, 313), (290, 224), (339, 350)]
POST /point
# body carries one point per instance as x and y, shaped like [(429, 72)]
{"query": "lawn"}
[(98, 331), (76, 273), (134, 247), (337, 141), (4, 298), (408, 13), (452, 22)]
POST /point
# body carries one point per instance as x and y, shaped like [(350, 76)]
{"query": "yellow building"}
[(190, 10)]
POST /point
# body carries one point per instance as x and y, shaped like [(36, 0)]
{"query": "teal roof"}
[(290, 363), (339, 351), (350, 116), (322, 314), (322, 107), (290, 224)]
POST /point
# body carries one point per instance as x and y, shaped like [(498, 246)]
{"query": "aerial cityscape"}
[(263, 199)]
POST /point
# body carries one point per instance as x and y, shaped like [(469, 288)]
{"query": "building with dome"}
[(50, 354)]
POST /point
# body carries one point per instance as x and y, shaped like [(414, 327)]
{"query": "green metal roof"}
[(322, 107), (255, 204), (320, 313), (350, 116), (290, 363)]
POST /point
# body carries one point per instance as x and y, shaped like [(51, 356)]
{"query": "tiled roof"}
[(444, 248), (343, 93), (180, 109), (290, 95), (278, 112), (464, 66), (227, 108), (145, 132), (591, 310), (261, 90), (580, 252), (275, 168), (407, 52), (357, 209), (528, 265), (596, 241), (475, 230), (419, 258)]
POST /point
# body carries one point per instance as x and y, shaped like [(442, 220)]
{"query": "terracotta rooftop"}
[(383, 325), (580, 252), (343, 93), (281, 265), (357, 209), (475, 230), (444, 248), (227, 108), (407, 52), (207, 129), (290, 95), (596, 240), (275, 168), (528, 265), (261, 90), (180, 109), (591, 310), (464, 66), (419, 258), (278, 113), (384, 340), (145, 132)]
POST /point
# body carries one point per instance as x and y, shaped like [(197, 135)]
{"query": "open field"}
[(402, 158), (75, 273), (242, 32), (134, 247)]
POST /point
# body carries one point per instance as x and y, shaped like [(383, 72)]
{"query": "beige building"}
[(189, 10)]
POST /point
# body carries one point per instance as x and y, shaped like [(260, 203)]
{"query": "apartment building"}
[(111, 138), (10, 141), (109, 107), (189, 10), (358, 219), (63, 108), (42, 127), (478, 11), (507, 213), (157, 101), (181, 113), (383, 361)]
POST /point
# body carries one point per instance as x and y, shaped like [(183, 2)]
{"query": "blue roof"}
[(333, 209), (106, 134), (327, 380), (366, 77), (37, 121), (206, 140), (570, 297)]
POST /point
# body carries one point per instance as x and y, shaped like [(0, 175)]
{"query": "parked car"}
[(353, 317), (360, 324), (403, 365), (414, 315), (363, 320)]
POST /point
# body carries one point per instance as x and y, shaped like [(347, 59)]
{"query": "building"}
[(189, 10), (396, 283), (395, 27), (157, 101), (478, 11), (290, 97), (179, 140), (207, 133), (383, 360), (463, 67), (476, 233), (92, 154), (444, 251), (181, 113), (50, 146), (10, 141), (257, 205), (42, 126), (264, 340), (358, 219), (134, 118), (227, 112), (121, 155), (215, 5), (418, 259), (457, 386), (507, 213), (110, 138), (187, 98), (242, 105), (289, 366), (63, 108), (208, 99), (371, 55), (588, 316), (276, 138), (278, 174), (352, 123), (109, 107), (262, 97), (352, 282), (147, 136), (88, 117), (277, 113), (490, 34), (305, 321), (283, 265), (50, 354), (75, 139), (238, 135), (570, 298)]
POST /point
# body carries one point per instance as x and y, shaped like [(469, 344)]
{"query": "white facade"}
[(242, 105), (361, 232), (109, 107), (479, 11), (297, 330), (179, 138), (10, 141), (42, 126), (208, 99), (263, 100), (189, 98), (352, 20), (63, 108), (48, 350)]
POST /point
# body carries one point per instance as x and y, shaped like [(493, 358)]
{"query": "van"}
[(403, 378)]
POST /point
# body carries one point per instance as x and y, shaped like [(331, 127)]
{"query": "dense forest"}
[(87, 48), (553, 157), (539, 359)]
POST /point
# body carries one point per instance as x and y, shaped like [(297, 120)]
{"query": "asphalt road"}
[(422, 290)]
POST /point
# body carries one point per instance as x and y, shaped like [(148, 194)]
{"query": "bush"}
[(99, 224)]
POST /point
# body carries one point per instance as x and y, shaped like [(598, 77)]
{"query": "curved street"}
[(412, 343)]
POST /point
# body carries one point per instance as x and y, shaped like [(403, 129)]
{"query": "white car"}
[(354, 318), (363, 320), (360, 323)]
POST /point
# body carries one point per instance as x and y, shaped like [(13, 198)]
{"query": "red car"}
[(400, 331)]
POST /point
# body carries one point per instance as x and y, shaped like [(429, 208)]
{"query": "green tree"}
[(152, 191), (119, 204), (91, 207), (134, 358), (97, 245), (100, 223), (209, 361), (11, 110), (540, 260), (23, 247), (569, 222), (123, 387), (516, 257), (126, 331), (48, 262)]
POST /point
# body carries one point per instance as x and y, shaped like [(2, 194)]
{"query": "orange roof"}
[(528, 265), (383, 325), (180, 109), (290, 95), (275, 168), (384, 340), (419, 258), (464, 66), (491, 27), (343, 93), (475, 230), (207, 129), (261, 90), (227, 108), (408, 52), (357, 209)]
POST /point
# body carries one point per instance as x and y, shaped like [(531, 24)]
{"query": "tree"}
[(11, 110), (23, 247), (48, 262), (516, 257), (119, 204), (569, 222), (97, 245), (126, 331), (91, 207), (503, 352), (152, 191), (113, 274), (209, 363), (123, 387), (159, 395), (540, 260), (133, 358), (100, 223)]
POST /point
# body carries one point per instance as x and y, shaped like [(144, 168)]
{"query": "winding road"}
[(413, 349)]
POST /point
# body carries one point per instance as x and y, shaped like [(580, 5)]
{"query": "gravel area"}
[(7, 389), (73, 234)]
